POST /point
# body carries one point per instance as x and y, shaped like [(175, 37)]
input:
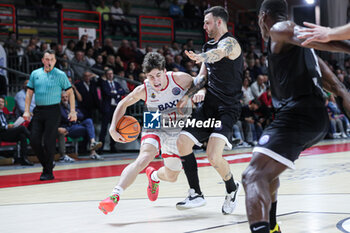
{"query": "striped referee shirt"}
[(48, 86)]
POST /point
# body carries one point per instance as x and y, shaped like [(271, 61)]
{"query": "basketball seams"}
[(127, 125)]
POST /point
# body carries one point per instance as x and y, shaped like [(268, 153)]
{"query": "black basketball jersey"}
[(224, 76), (293, 74)]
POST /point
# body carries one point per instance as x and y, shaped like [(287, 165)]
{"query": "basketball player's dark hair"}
[(153, 60), (218, 11), (276, 9), (49, 51)]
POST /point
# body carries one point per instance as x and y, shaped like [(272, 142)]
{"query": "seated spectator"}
[(81, 63), (137, 53), (142, 77), (65, 66), (250, 121), (341, 121), (108, 48), (83, 44), (87, 88), (102, 8), (247, 92), (69, 51), (266, 99), (169, 63), (10, 133), (258, 87), (81, 128), (99, 63), (77, 95), (112, 93), (97, 47), (89, 57), (175, 49), (118, 20), (177, 63), (132, 72), (253, 69), (20, 99), (119, 64), (125, 51), (11, 43)]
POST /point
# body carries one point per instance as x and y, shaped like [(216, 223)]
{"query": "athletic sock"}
[(273, 220), (230, 185), (117, 190), (260, 227), (189, 164), (154, 176)]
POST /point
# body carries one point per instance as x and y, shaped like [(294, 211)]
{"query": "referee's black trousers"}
[(45, 123)]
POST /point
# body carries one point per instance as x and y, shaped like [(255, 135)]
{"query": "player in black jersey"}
[(222, 69), (301, 119)]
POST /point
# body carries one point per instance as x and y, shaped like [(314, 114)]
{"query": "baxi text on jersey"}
[(172, 104), (209, 123)]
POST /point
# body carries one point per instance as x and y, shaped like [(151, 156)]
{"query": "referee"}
[(47, 83)]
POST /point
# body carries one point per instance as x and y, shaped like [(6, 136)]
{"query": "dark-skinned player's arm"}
[(287, 32)]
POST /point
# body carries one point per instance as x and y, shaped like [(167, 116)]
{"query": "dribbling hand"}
[(116, 136)]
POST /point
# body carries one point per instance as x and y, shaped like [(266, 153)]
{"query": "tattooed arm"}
[(228, 47), (197, 84)]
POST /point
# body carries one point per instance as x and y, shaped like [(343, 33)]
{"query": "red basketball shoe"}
[(153, 187), (108, 204)]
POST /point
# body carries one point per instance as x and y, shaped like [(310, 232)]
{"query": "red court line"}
[(116, 170)]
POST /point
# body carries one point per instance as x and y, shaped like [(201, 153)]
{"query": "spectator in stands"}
[(125, 51), (99, 63), (59, 51), (20, 98), (108, 48), (110, 62), (69, 51), (340, 119), (119, 64), (83, 44), (3, 86), (177, 63), (247, 92), (11, 43), (78, 97), (80, 64), (43, 47), (132, 72), (170, 64), (137, 53), (83, 127), (102, 8), (251, 126), (88, 91), (191, 13), (258, 87), (253, 69), (142, 77), (148, 49), (10, 133), (112, 93), (65, 66), (89, 57), (32, 53), (174, 48), (263, 65), (118, 20), (97, 47), (266, 99)]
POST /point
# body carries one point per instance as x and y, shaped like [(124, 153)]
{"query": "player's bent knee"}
[(184, 144)]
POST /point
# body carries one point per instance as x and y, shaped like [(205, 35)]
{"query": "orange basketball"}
[(129, 128)]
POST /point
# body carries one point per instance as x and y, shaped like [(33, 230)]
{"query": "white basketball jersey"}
[(165, 100)]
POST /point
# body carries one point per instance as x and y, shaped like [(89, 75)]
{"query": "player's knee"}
[(249, 176), (184, 144), (213, 159)]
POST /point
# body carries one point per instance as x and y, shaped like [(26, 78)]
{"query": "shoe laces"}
[(115, 198), (154, 187)]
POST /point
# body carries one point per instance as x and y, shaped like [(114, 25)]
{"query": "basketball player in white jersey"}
[(161, 92)]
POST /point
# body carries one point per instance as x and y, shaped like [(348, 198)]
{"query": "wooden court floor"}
[(314, 198)]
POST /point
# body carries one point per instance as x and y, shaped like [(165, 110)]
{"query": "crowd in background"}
[(91, 67)]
